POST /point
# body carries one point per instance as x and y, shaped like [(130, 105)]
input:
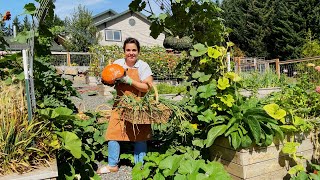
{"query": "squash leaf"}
[(214, 53), (199, 50), (223, 83), (274, 111)]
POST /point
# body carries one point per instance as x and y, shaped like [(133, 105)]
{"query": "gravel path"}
[(124, 173), (92, 98)]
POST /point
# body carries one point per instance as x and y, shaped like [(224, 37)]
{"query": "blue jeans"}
[(140, 150)]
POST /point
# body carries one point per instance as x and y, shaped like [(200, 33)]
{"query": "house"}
[(15, 46), (115, 27)]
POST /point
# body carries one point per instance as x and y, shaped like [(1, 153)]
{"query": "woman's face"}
[(131, 52)]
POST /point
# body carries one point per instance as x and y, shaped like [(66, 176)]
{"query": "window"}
[(113, 35)]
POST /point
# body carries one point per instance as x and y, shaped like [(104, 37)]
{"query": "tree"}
[(81, 30), (197, 19), (249, 21), (288, 30), (16, 22), (26, 24)]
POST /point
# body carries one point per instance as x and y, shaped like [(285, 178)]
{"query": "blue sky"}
[(65, 8)]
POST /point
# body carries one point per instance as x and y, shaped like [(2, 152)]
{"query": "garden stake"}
[(26, 77)]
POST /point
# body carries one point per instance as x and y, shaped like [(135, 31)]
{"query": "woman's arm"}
[(143, 86)]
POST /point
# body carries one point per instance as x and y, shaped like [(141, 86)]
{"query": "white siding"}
[(139, 31)]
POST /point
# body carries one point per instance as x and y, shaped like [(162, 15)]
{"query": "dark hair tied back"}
[(131, 40)]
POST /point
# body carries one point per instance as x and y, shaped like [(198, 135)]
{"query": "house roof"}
[(16, 46), (104, 12), (118, 15)]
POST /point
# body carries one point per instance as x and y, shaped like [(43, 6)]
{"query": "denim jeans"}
[(140, 150)]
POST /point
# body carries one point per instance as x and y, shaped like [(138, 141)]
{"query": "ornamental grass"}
[(22, 143)]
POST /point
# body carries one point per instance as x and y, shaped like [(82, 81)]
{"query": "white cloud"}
[(64, 8)]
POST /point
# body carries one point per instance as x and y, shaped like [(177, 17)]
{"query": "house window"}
[(113, 35)]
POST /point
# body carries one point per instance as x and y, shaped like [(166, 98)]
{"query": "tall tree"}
[(16, 22), (81, 29), (288, 30), (249, 23), (26, 24)]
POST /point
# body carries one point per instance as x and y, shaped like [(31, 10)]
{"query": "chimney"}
[(14, 31)]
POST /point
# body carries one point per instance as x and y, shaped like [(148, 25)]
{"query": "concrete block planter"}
[(46, 173), (258, 163), (261, 93)]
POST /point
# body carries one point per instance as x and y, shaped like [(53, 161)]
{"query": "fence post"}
[(68, 59), (278, 68)]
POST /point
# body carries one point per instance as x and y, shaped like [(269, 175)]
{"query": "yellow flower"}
[(194, 126), (311, 65)]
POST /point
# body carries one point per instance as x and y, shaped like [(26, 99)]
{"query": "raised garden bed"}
[(258, 163)]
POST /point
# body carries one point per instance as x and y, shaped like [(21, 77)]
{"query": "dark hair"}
[(131, 40)]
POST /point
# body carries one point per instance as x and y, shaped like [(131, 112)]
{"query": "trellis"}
[(28, 54)]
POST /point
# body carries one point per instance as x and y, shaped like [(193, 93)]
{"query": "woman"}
[(138, 80)]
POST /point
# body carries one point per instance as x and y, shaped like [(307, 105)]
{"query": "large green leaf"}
[(288, 128), (204, 78), (197, 75), (290, 147), (227, 100), (275, 111), (223, 83), (246, 141), (199, 50), (214, 132), (215, 170), (190, 166), (295, 169), (207, 91), (63, 111), (255, 127), (235, 140), (207, 116), (170, 164), (30, 8), (214, 53), (71, 142)]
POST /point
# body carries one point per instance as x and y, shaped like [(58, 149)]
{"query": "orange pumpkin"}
[(112, 72)]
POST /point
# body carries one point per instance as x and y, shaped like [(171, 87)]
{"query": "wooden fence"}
[(290, 68)]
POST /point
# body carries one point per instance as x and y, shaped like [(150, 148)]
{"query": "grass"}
[(19, 149)]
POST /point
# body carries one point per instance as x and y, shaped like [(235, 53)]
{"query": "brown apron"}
[(119, 130)]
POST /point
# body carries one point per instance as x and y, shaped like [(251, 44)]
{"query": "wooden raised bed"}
[(258, 163)]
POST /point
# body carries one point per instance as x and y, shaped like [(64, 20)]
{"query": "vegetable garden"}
[(212, 110)]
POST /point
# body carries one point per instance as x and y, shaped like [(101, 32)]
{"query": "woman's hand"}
[(126, 79)]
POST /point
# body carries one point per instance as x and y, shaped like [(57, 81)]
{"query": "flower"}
[(295, 73), (285, 70), (317, 68), (311, 65), (318, 89), (7, 16), (194, 126)]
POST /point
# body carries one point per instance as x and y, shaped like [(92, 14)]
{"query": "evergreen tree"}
[(16, 22), (26, 24), (288, 30), (249, 23)]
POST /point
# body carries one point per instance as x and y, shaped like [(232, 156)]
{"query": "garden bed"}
[(258, 163), (261, 92)]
